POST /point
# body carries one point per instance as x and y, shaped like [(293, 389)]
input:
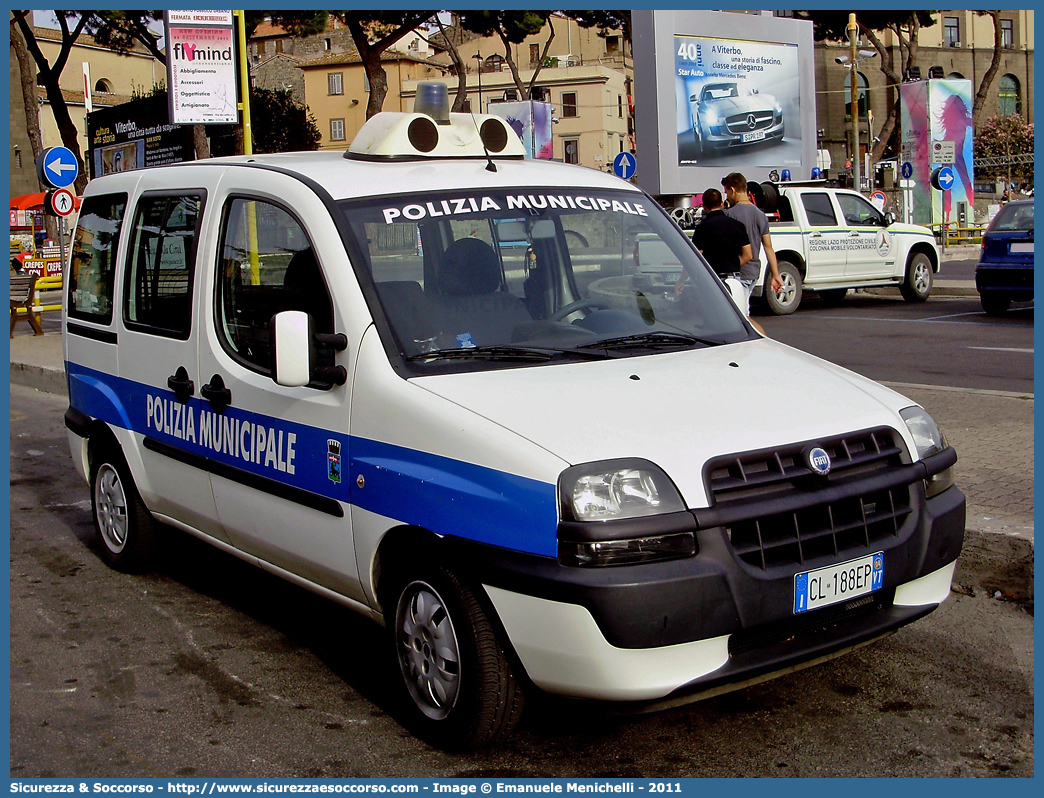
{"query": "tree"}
[(280, 124), (905, 26), (120, 30), (32, 107), (513, 27), (605, 21), (384, 28), (987, 79), (50, 76), (1004, 148), (449, 38)]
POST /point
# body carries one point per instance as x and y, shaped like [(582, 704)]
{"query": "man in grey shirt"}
[(742, 209)]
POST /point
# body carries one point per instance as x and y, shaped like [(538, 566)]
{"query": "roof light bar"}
[(431, 131)]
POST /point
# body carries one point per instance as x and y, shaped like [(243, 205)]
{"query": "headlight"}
[(929, 440), (616, 512), (710, 117), (611, 490), (927, 437)]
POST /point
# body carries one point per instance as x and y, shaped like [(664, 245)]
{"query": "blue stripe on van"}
[(451, 497), (447, 496)]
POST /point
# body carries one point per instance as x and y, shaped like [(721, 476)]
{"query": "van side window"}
[(819, 210), (158, 296), (92, 268), (266, 265)]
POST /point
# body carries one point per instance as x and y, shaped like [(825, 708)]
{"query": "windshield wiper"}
[(503, 352), (652, 340)]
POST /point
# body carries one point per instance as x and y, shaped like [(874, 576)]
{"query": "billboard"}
[(936, 121), (201, 67), (734, 100), (740, 100), (135, 135), (531, 121)]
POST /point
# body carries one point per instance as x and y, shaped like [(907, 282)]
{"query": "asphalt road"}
[(947, 341), (209, 667)]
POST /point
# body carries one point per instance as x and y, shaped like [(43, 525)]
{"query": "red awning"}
[(28, 202)]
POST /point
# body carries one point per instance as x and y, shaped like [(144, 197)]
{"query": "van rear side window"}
[(158, 296), (92, 267)]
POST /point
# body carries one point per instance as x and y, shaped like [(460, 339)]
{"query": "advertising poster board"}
[(531, 121), (135, 135), (201, 67), (735, 99), (749, 88), (938, 110)]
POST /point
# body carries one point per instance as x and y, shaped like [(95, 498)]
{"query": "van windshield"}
[(534, 275)]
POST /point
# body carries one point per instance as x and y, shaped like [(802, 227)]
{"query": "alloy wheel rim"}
[(429, 656), (921, 278), (111, 504)]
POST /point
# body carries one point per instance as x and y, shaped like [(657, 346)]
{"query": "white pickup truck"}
[(829, 240)]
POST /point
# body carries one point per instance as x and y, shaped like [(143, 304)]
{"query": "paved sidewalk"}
[(992, 432)]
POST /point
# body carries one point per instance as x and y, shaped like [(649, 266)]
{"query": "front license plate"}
[(1022, 246), (757, 135), (825, 586)]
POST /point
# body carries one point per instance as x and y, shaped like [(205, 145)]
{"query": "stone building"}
[(959, 45)]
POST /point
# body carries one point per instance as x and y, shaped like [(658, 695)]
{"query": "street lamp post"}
[(479, 57), (853, 35), (849, 62), (869, 144)]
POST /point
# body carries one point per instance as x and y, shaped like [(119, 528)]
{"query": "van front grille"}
[(777, 512)]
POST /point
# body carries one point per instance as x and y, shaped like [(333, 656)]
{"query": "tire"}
[(124, 527), (832, 296), (461, 691), (918, 283), (790, 297), (995, 304)]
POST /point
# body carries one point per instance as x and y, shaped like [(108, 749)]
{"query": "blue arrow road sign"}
[(906, 170), (624, 165), (946, 178), (57, 167)]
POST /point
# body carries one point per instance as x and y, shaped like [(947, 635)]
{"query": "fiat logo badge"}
[(818, 461)]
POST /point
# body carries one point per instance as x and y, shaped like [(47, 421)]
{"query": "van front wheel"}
[(463, 693)]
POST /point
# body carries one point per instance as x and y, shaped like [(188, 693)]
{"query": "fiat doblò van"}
[(535, 470)]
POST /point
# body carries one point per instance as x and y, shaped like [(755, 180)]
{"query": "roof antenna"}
[(490, 166)]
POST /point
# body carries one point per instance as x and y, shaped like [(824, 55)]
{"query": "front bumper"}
[(564, 652), (720, 137), (647, 632)]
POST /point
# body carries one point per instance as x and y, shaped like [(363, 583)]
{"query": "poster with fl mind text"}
[(201, 67)]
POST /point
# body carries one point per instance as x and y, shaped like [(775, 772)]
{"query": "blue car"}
[(1005, 271)]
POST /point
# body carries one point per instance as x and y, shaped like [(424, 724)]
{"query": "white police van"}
[(538, 472)]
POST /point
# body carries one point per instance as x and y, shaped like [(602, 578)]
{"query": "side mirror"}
[(693, 98), (292, 351), (294, 362), (889, 219)]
